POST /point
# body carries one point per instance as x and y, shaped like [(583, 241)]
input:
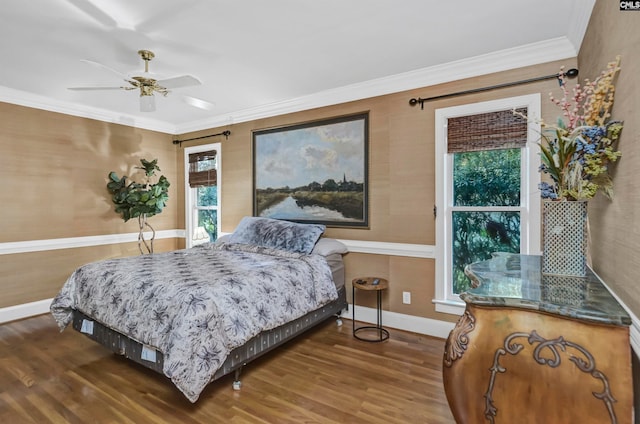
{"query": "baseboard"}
[(26, 310), (419, 325), (634, 328), (414, 324), (427, 326)]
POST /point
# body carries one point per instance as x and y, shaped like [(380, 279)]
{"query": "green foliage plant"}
[(133, 199), (140, 200)]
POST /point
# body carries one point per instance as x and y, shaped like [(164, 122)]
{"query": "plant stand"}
[(144, 245)]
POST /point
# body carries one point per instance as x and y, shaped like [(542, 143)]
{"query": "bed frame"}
[(254, 348)]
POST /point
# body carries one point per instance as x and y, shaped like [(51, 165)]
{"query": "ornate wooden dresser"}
[(534, 348)]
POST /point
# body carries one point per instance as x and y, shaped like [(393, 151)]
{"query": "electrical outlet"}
[(406, 298)]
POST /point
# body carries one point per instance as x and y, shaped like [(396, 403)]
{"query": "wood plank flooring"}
[(323, 376)]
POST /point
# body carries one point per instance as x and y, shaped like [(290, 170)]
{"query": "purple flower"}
[(585, 146), (547, 191), (594, 133)]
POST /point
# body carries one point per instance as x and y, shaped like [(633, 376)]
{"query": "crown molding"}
[(23, 98), (580, 16), (503, 60)]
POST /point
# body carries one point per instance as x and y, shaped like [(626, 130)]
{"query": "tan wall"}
[(401, 177), (615, 225), (53, 169)]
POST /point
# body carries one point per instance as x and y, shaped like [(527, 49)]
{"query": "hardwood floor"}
[(323, 376)]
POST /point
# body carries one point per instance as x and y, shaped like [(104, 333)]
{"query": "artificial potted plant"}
[(576, 157), (140, 200)]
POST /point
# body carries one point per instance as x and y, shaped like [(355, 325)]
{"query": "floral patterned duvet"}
[(196, 305)]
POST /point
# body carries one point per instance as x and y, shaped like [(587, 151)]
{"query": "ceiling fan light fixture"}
[(147, 103), (147, 83)]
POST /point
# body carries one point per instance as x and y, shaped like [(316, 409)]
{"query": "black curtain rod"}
[(571, 73), (226, 133)]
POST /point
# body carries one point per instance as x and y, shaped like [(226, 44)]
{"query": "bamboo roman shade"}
[(487, 131), (202, 169)]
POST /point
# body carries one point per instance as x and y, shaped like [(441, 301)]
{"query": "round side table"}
[(370, 284)]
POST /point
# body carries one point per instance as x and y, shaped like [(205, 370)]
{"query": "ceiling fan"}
[(148, 85)]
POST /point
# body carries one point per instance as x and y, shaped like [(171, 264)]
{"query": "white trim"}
[(634, 329), (26, 310), (580, 16), (8, 248), (414, 324), (518, 57), (634, 334), (420, 325), (35, 101), (449, 306), (356, 246), (391, 249), (513, 58), (411, 323)]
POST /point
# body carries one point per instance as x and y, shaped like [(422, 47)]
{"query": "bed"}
[(198, 314)]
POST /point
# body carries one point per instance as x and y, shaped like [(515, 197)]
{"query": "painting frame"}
[(313, 172)]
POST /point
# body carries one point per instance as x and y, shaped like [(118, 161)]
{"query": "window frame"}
[(445, 301), (190, 199)]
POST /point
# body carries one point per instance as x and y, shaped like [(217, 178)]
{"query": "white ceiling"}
[(259, 58)]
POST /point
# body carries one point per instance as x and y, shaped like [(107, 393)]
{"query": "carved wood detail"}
[(585, 363), (458, 340)]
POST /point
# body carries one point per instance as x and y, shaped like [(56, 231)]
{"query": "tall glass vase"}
[(564, 237)]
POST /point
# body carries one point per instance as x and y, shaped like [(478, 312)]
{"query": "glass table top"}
[(512, 280)]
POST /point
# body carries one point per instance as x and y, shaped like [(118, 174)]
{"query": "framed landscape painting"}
[(314, 172)]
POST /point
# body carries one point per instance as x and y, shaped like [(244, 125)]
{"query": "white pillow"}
[(328, 246)]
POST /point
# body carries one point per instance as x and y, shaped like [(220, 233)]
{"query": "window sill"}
[(449, 306)]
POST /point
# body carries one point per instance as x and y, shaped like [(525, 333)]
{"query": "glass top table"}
[(513, 280)]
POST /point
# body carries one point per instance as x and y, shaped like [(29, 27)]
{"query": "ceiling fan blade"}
[(181, 81), (108, 68), (199, 103), (94, 88), (148, 84), (94, 12), (165, 15)]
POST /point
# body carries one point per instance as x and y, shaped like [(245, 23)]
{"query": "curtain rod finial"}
[(571, 73), (415, 101)]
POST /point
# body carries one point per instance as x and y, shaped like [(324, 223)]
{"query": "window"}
[(202, 193), (486, 189)]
